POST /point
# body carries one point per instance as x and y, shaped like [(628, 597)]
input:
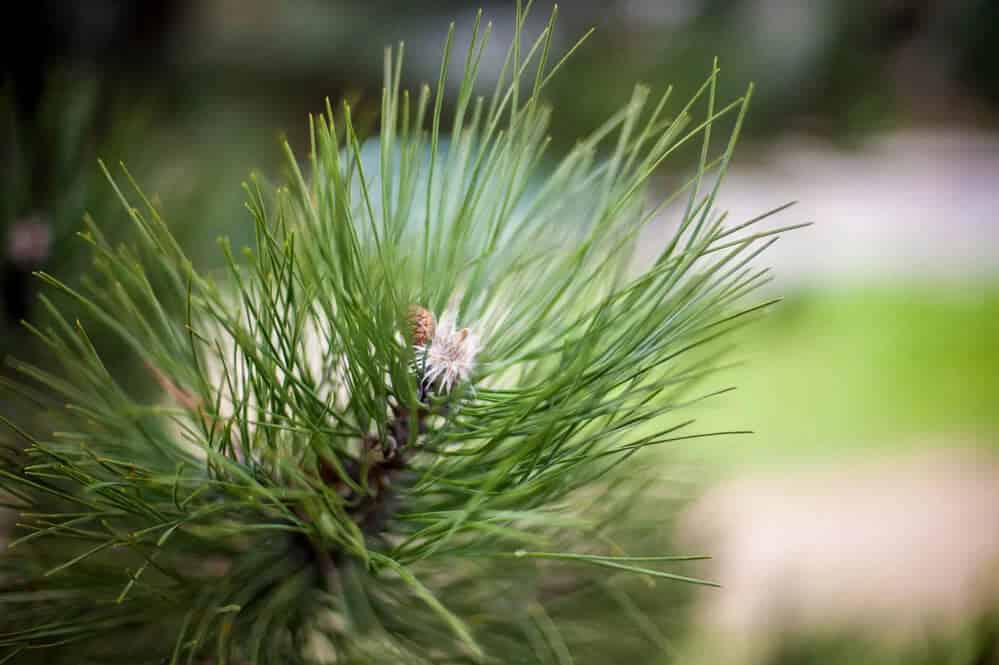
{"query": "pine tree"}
[(405, 425)]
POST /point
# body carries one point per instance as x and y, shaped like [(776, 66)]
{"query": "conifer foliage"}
[(403, 426)]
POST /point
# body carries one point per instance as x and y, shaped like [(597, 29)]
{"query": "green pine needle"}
[(312, 474)]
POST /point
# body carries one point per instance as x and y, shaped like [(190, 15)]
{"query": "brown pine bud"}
[(422, 325)]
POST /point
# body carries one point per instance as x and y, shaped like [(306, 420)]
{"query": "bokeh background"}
[(861, 520)]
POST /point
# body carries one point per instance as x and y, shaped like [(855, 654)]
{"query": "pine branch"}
[(405, 425)]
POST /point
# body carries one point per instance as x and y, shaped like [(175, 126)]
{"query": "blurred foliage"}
[(858, 369), (976, 644), (840, 69), (52, 181)]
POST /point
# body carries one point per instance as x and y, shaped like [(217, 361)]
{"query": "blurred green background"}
[(838, 371), (879, 117)]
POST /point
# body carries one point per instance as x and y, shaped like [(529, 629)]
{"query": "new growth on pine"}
[(405, 425)]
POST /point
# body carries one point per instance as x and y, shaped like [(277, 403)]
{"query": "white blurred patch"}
[(892, 551)]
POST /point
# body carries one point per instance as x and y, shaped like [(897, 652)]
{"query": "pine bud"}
[(422, 325)]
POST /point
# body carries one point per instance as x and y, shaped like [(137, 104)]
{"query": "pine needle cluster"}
[(403, 426)]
